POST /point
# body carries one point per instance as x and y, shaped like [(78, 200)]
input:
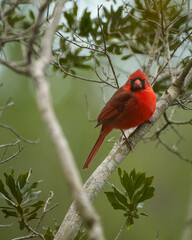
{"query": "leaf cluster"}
[(137, 189), (20, 197), (122, 25)]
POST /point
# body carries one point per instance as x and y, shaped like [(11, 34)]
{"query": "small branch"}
[(173, 150), (35, 30), (19, 136), (15, 66), (46, 209), (153, 49), (25, 237), (79, 77), (35, 233), (105, 47), (13, 156), (10, 144), (7, 104), (168, 55), (122, 228)]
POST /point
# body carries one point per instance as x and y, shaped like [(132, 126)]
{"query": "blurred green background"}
[(172, 177)]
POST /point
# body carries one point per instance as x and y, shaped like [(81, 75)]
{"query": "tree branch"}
[(119, 152), (36, 70)]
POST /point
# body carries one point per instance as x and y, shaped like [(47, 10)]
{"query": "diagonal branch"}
[(36, 70), (119, 152)]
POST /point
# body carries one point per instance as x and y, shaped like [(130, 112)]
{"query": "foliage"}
[(124, 30), (21, 199), (123, 27), (137, 189)]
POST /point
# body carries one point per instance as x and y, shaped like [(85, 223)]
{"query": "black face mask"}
[(135, 88)]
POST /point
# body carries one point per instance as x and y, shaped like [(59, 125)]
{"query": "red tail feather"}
[(103, 134)]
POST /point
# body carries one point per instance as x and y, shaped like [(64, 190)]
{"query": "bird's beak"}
[(137, 84)]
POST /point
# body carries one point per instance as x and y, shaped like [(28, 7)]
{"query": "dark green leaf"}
[(85, 24), (32, 216), (120, 196), (49, 234), (31, 14), (3, 191), (21, 225), (149, 193), (9, 213), (149, 181), (125, 57), (114, 202), (10, 181), (70, 19), (22, 180), (139, 180)]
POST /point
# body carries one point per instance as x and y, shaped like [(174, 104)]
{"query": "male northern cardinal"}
[(131, 105)]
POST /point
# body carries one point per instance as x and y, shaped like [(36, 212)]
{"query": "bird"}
[(131, 105)]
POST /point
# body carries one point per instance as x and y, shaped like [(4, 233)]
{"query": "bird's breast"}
[(136, 111)]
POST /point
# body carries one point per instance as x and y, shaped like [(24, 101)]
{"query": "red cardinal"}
[(131, 105)]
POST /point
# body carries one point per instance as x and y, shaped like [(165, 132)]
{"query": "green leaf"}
[(9, 213), (31, 14), (148, 193), (120, 196), (114, 202), (32, 216), (70, 18), (139, 180), (22, 179), (13, 187), (21, 225), (149, 181), (49, 234), (125, 57), (85, 24), (3, 191)]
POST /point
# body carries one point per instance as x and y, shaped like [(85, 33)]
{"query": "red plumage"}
[(131, 105)]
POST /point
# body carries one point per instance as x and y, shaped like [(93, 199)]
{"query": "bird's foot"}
[(127, 141)]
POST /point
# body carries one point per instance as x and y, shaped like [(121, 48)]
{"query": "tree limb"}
[(119, 152), (36, 70)]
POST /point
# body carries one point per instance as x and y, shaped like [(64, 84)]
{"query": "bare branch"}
[(105, 48), (46, 209), (65, 155), (13, 156), (153, 49), (19, 136), (79, 77)]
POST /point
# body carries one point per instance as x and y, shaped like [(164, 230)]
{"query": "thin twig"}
[(122, 228), (13, 156), (19, 136), (173, 150), (105, 47), (46, 209), (16, 141)]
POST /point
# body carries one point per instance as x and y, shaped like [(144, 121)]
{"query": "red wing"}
[(114, 106)]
